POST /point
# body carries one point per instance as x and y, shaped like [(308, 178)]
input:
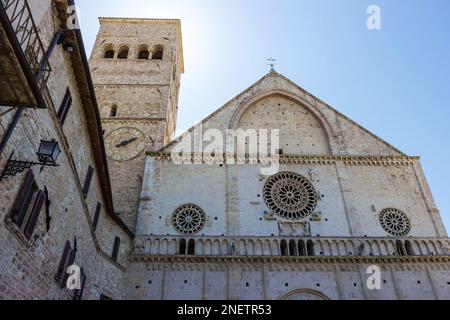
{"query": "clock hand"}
[(125, 143), (132, 140)]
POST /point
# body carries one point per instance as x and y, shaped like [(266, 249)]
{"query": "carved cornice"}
[(138, 20), (132, 120), (403, 261), (297, 159), (131, 85)]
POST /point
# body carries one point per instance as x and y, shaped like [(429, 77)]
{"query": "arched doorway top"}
[(304, 294)]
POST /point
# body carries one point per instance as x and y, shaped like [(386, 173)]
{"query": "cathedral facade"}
[(340, 204), (276, 195)]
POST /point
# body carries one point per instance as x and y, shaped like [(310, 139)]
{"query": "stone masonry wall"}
[(27, 267), (288, 280), (355, 176), (144, 93), (346, 138), (353, 192), (350, 198)]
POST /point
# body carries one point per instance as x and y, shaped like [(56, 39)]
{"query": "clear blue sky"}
[(394, 82)]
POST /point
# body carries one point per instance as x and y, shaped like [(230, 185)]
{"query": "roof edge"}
[(136, 18), (101, 160)]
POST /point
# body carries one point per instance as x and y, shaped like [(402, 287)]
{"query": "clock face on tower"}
[(124, 144)]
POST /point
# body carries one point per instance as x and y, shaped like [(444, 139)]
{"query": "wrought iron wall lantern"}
[(47, 154)]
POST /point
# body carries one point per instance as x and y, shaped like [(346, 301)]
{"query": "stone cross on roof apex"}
[(272, 64)]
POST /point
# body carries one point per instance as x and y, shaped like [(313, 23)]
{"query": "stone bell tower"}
[(136, 66)]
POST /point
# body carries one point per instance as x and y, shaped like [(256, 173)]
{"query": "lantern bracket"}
[(15, 166)]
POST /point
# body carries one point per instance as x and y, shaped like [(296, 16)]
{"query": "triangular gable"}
[(348, 137)]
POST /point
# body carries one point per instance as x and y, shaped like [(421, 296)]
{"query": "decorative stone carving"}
[(269, 215), (288, 228), (290, 195), (395, 222), (188, 219), (317, 216)]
